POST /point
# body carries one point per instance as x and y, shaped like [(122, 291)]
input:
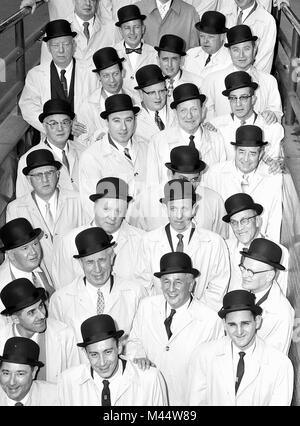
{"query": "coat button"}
[(167, 348), (132, 78), (46, 236)]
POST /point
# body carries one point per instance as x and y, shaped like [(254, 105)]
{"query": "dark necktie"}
[(207, 60), (240, 371), (39, 279), (65, 160), (63, 81), (19, 404), (192, 143), (126, 152), (168, 322), (240, 18), (106, 394), (86, 31), (180, 243), (138, 50), (159, 121)]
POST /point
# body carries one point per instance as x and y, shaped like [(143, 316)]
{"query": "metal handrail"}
[(292, 18), (17, 17)]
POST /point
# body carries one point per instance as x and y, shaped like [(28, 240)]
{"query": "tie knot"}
[(18, 404), (99, 292), (243, 122), (173, 312), (86, 24), (180, 237), (242, 354), (192, 143), (62, 73), (105, 383), (156, 114)]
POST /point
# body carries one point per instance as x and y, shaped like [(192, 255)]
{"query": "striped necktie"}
[(86, 31), (63, 81), (159, 121)]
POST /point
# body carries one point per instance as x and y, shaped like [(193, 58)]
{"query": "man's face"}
[(26, 257), (86, 9), (103, 357), (154, 96), (44, 181), (57, 128), (121, 126), (180, 213), (111, 79), (169, 63), (242, 102), (194, 178), (242, 54), (177, 288), (62, 50), (241, 327), (211, 43), (132, 32), (189, 115), (247, 158), (31, 320), (258, 282), (244, 232), (243, 4), (109, 213), (97, 266), (16, 379)]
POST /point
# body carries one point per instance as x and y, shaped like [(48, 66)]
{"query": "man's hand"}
[(269, 116), (78, 128), (143, 363), (276, 165), (28, 3), (210, 126)]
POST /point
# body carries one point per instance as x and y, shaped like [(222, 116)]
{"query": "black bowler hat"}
[(238, 80), (249, 135), (179, 189), (185, 159), (238, 203), (40, 158), (264, 251), (56, 106), (98, 328), (186, 92), (91, 241), (58, 28), (111, 187), (239, 34), (212, 22), (105, 58), (175, 263), (129, 13), (16, 233), (148, 75), (20, 350), (117, 103), (171, 43), (239, 300), (20, 294)]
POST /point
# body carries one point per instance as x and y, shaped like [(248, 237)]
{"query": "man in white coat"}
[(108, 379), (207, 249), (168, 327), (241, 369), (18, 367), (25, 305), (259, 266), (247, 173)]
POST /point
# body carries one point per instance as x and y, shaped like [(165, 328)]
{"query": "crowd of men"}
[(143, 263)]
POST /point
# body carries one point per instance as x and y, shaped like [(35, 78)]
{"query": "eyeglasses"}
[(56, 46), (54, 124), (242, 98), (243, 222), (48, 175), (250, 272), (154, 93)]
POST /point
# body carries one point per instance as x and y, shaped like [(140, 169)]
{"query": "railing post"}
[(20, 44), (290, 115)]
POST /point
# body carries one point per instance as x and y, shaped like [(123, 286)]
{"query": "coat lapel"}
[(252, 368), (224, 363)]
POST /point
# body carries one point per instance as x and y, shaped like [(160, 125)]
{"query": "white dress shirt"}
[(53, 204), (68, 73), (133, 56), (163, 7), (17, 273), (93, 293), (58, 151), (176, 320), (114, 382), (186, 136), (162, 113), (245, 11), (235, 357), (130, 149), (11, 402), (90, 27), (186, 236)]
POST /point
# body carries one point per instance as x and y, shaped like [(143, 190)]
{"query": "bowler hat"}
[(117, 103), (111, 187), (239, 34), (20, 350), (56, 106), (249, 135), (212, 22), (58, 28), (105, 58), (148, 75), (239, 300), (238, 203), (16, 233), (91, 241), (19, 294), (129, 13), (185, 159), (40, 158), (175, 263), (98, 328), (179, 189), (238, 80), (264, 251), (171, 43), (186, 92)]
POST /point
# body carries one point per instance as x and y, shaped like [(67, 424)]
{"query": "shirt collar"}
[(11, 402), (180, 309), (248, 351), (80, 21), (68, 68), (186, 233), (246, 11)]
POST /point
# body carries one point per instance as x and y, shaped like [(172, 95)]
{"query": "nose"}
[(111, 78), (41, 313), (171, 286), (32, 250), (238, 101), (12, 380), (101, 360), (123, 125), (61, 48), (246, 156), (189, 114), (178, 214), (239, 330), (97, 266)]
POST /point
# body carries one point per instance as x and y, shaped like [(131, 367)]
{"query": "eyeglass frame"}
[(48, 174), (245, 219), (250, 272), (54, 125), (242, 98), (154, 92)]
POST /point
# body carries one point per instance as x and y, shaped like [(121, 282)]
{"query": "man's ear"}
[(15, 319)]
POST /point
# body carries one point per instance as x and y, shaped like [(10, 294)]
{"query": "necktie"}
[(19, 404), (159, 121), (106, 394), (243, 122), (245, 183), (180, 243), (65, 160), (49, 218), (170, 87), (86, 31), (240, 371), (207, 60), (39, 279), (192, 143), (126, 152), (63, 81), (240, 18), (100, 302), (138, 50), (168, 322)]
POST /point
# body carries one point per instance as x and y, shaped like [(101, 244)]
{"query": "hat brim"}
[(72, 34), (105, 114), (119, 61), (130, 18), (253, 38), (200, 168), (255, 309), (166, 200), (263, 260), (169, 49), (41, 295), (93, 251), (177, 270), (151, 82), (33, 363), (251, 144), (35, 233), (174, 104), (27, 169), (59, 111), (210, 30), (257, 207), (227, 92), (95, 197), (99, 338)]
